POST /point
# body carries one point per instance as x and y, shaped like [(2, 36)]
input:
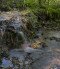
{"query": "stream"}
[(46, 58)]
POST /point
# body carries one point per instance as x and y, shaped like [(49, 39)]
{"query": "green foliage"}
[(32, 21), (43, 9), (31, 3), (12, 39), (48, 5), (6, 5), (31, 25)]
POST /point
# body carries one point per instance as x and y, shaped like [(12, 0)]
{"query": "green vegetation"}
[(46, 11), (12, 39)]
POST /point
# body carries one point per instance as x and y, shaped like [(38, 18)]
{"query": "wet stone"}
[(55, 66)]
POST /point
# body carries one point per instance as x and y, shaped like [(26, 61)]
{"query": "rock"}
[(53, 67), (43, 45), (52, 38), (36, 44), (4, 54), (36, 36), (6, 63), (15, 61), (58, 39)]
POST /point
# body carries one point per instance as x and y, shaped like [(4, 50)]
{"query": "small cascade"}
[(14, 35), (23, 36)]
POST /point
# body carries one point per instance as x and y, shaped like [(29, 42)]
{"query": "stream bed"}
[(47, 58)]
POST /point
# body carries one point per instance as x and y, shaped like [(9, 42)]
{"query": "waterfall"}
[(23, 36), (17, 24), (12, 30)]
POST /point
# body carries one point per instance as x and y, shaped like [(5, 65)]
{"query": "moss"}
[(0, 56), (12, 39)]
